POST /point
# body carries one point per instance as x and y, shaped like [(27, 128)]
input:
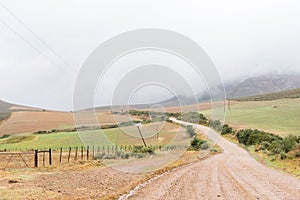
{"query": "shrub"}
[(264, 145), (275, 147), (289, 143), (191, 131), (109, 126), (125, 156), (142, 149), (110, 157), (148, 150), (196, 143), (297, 151), (193, 117), (99, 156), (215, 124), (4, 136), (250, 137), (146, 121), (226, 130), (204, 146), (41, 132), (282, 155)]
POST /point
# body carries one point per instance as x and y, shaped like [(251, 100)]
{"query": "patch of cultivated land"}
[(191, 108), (31, 121), (279, 116), (116, 136)]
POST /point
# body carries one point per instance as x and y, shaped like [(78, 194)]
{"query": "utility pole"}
[(138, 127)]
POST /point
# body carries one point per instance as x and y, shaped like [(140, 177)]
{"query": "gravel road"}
[(233, 174)]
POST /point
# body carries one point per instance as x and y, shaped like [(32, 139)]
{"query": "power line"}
[(37, 37)]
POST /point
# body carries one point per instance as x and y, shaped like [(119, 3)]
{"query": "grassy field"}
[(280, 116), (273, 96), (115, 136)]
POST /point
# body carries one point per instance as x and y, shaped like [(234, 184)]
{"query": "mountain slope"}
[(4, 107), (295, 93), (4, 110), (263, 84)]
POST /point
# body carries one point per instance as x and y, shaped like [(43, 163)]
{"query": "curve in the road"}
[(233, 174)]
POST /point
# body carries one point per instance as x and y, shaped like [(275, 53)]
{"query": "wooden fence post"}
[(76, 149), (87, 152), (60, 155), (50, 156), (81, 152), (69, 154), (36, 158)]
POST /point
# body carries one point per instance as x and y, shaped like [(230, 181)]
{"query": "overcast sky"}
[(44, 43)]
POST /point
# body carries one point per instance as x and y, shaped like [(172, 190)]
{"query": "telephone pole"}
[(138, 127)]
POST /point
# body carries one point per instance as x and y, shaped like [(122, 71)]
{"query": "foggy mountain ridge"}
[(262, 84), (256, 85)]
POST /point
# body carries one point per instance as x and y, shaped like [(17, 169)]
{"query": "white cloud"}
[(241, 38)]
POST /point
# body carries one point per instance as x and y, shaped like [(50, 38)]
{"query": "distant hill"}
[(273, 96), (4, 110), (251, 87), (4, 107), (263, 84)]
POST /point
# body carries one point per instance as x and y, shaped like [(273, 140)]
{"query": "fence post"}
[(76, 149), (36, 158), (69, 154), (50, 156), (87, 152), (81, 152), (60, 155)]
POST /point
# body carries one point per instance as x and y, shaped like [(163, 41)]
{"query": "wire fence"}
[(33, 158)]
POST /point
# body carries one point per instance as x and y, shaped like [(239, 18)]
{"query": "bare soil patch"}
[(88, 180)]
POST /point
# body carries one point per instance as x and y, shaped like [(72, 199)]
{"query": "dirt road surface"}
[(233, 174)]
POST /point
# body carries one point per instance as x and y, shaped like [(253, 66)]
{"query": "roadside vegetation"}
[(198, 142), (274, 150)]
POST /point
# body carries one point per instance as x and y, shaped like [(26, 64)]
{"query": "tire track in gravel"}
[(233, 174)]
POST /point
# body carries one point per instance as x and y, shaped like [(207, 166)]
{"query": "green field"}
[(280, 116), (95, 137), (272, 96)]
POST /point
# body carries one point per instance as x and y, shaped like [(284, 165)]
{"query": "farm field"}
[(115, 136), (279, 116), (31, 121)]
